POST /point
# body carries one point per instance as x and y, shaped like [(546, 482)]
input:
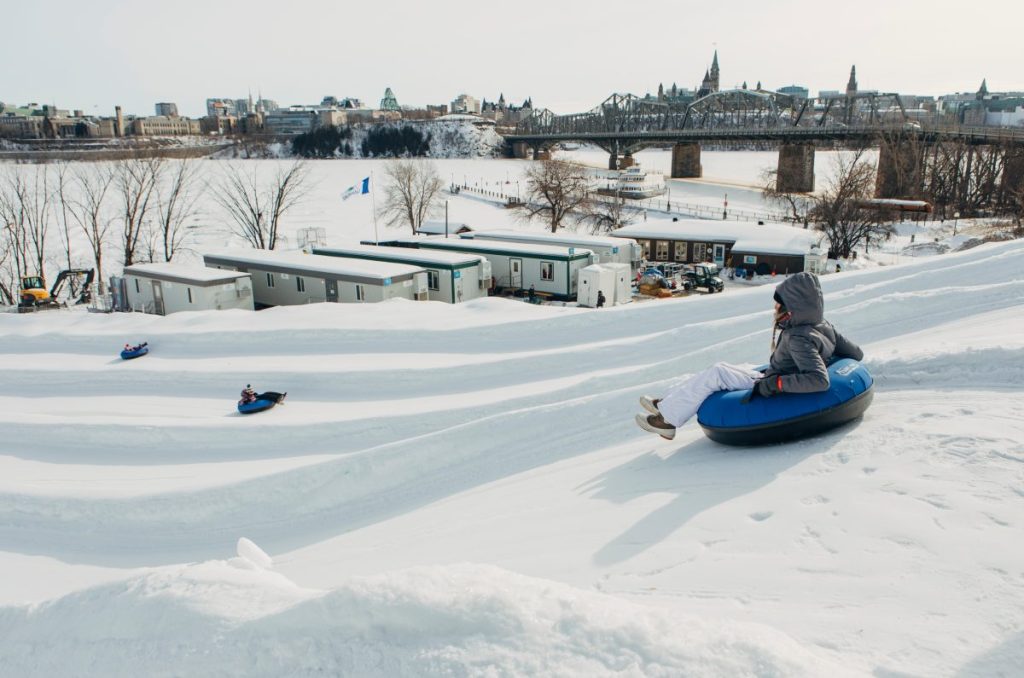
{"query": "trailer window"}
[(270, 280), (547, 270), (700, 250), (359, 293), (300, 284), (137, 286), (681, 251), (661, 250), (433, 280), (188, 290)]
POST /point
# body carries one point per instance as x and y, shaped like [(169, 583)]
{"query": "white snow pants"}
[(684, 398)]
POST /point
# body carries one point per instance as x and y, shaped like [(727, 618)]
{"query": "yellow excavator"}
[(33, 293)]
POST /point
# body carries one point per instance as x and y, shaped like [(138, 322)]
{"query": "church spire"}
[(714, 73), (851, 86)]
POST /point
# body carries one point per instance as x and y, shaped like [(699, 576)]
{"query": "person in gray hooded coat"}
[(803, 343)]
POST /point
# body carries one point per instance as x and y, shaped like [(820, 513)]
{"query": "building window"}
[(661, 250), (300, 284), (270, 280), (547, 270), (646, 245), (137, 286), (433, 280), (700, 250), (359, 293), (188, 290), (681, 251)]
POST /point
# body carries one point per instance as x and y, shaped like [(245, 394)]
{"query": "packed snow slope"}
[(462, 491)]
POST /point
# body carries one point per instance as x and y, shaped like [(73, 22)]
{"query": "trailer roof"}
[(553, 238), (500, 247), (412, 254), (184, 273), (314, 263)]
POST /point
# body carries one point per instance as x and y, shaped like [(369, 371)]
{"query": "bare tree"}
[(135, 181), (554, 189), (25, 209), (604, 216), (89, 209), (177, 201), (798, 206), (411, 192), (256, 209), (7, 276), (839, 209)]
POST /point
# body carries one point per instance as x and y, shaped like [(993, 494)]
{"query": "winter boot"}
[(655, 424), (650, 404)]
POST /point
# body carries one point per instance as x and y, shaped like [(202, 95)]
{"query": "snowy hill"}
[(462, 491)]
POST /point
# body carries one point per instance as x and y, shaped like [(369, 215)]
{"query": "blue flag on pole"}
[(361, 188)]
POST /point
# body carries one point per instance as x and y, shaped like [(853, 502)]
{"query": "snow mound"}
[(463, 620)]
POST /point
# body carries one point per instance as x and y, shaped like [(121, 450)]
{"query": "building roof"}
[(314, 264), (436, 227), (183, 273), (744, 236), (410, 254)]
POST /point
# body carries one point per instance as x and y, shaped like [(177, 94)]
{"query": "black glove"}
[(768, 387)]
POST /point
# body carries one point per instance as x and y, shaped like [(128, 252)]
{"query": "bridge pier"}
[(541, 153), (686, 161), (899, 171), (520, 150), (796, 168), (1013, 173), (626, 161)]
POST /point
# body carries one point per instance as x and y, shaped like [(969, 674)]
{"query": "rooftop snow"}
[(313, 263), (185, 271)]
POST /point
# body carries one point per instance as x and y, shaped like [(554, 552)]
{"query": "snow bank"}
[(214, 618)]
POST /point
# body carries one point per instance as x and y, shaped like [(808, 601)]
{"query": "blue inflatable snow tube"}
[(726, 419), (137, 352), (258, 405)]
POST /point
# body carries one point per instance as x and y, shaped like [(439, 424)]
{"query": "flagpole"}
[(373, 199)]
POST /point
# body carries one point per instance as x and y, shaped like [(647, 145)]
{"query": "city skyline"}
[(428, 55)]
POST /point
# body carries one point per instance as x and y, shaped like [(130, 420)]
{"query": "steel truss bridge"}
[(624, 123)]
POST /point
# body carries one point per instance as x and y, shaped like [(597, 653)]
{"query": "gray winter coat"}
[(807, 341)]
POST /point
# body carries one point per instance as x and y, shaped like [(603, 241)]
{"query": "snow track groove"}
[(355, 441)]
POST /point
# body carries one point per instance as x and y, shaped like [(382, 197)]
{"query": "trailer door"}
[(515, 273), (158, 298)]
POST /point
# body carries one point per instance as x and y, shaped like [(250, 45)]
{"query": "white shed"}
[(613, 280), (169, 288), (292, 278)]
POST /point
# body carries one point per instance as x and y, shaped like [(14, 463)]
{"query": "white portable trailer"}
[(292, 278), (452, 277), (163, 288), (552, 271), (607, 248)]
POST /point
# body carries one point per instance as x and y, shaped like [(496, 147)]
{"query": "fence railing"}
[(668, 206)]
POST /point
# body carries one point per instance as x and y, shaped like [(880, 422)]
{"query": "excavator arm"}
[(83, 292)]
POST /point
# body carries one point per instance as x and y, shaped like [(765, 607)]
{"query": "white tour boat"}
[(632, 183)]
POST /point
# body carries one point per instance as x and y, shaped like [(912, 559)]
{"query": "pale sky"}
[(568, 55)]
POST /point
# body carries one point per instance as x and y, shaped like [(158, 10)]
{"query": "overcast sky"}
[(567, 55)]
